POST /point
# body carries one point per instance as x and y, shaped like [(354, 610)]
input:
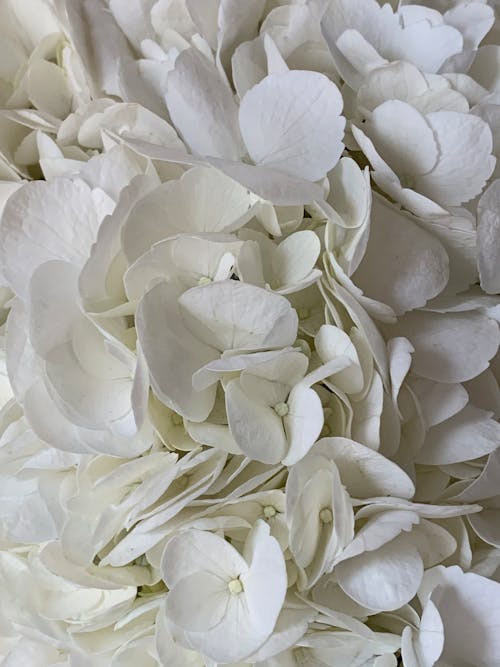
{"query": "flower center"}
[(326, 515), (303, 313), (235, 586), (269, 511), (281, 409)]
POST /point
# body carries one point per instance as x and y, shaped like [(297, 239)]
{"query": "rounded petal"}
[(173, 354), (449, 347), (291, 122), (231, 315), (365, 472), (382, 580)]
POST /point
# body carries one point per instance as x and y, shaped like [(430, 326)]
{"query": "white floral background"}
[(249, 278)]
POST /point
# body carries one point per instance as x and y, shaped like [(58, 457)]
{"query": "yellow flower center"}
[(269, 511), (235, 586), (281, 409), (326, 515)]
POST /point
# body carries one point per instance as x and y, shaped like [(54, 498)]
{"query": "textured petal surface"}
[(291, 122)]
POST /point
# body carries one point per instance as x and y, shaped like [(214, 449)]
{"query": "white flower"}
[(459, 624), (319, 516), (304, 103), (197, 326), (450, 155), (225, 604)]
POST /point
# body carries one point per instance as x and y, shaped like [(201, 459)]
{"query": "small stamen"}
[(235, 586), (281, 409), (269, 511), (326, 515)]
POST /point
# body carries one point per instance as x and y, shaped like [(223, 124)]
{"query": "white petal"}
[(237, 23), (439, 401), (379, 530), (48, 88), (265, 583), (249, 65), (465, 163), (474, 21), (303, 423), (133, 19), (44, 221), (202, 107), (173, 354), (365, 472), (99, 42), (192, 551), (468, 606), (450, 347), (382, 580), (488, 239), (400, 351), (396, 127), (332, 342), (295, 258), (53, 305), (415, 263), (198, 601), (433, 542), (396, 81), (174, 208), (468, 435), (291, 122), (486, 485), (271, 184), (233, 315), (257, 429)]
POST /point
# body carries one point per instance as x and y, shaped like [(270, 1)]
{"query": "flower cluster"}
[(249, 387)]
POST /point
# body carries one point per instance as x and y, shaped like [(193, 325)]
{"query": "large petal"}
[(385, 579), (198, 601), (303, 423), (265, 583), (465, 162), (403, 138), (191, 204), (468, 435), (53, 305), (449, 347), (271, 184), (365, 472), (415, 263), (488, 239), (291, 122), (257, 429), (230, 315), (469, 606), (173, 354), (295, 258), (379, 530), (202, 107), (192, 551), (44, 221)]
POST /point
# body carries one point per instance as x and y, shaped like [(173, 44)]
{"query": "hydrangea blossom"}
[(249, 333)]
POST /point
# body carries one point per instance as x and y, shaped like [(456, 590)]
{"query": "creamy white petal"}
[(202, 107), (291, 122), (174, 354), (44, 221), (450, 347)]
